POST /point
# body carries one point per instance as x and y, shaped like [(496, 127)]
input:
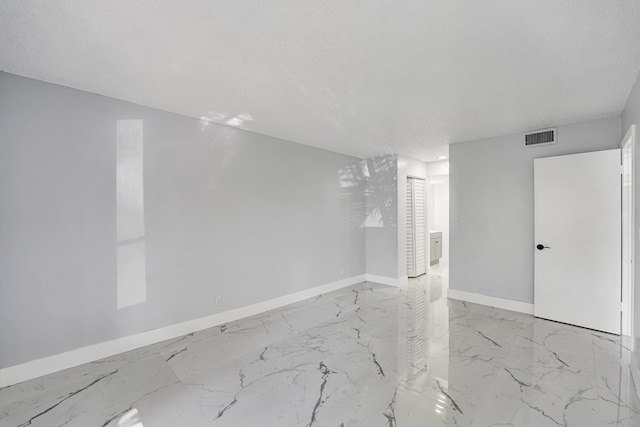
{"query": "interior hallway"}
[(367, 355)]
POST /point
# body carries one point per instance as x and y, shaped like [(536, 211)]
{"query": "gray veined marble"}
[(368, 355)]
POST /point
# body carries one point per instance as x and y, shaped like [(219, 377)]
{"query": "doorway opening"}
[(438, 214)]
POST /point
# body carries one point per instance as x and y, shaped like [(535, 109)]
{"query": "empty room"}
[(320, 214)]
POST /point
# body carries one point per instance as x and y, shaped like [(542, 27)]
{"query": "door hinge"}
[(621, 169)]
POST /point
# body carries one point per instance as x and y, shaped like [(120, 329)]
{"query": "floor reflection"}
[(368, 355)]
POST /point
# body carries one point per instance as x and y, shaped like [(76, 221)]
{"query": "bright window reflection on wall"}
[(132, 280)]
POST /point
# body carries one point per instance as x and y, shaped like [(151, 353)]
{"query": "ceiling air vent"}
[(541, 137)]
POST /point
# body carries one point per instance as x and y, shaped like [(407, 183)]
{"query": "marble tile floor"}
[(368, 355)]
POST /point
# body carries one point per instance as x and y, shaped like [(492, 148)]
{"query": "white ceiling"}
[(357, 77)]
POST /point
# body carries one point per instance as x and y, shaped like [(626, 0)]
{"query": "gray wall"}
[(227, 213), (491, 206), (381, 223), (631, 112), (631, 115)]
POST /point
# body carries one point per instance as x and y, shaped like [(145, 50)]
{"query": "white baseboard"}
[(390, 281), (58, 362), (506, 304)]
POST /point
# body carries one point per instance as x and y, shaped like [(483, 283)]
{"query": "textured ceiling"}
[(357, 77)]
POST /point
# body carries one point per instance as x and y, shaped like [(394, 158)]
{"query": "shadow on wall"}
[(374, 178)]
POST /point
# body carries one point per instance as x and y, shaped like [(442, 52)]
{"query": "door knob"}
[(541, 247)]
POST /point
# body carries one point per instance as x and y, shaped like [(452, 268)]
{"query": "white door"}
[(577, 238), (416, 228)]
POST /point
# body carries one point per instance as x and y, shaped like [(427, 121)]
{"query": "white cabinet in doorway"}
[(435, 247)]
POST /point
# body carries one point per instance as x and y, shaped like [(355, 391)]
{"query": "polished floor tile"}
[(368, 355)]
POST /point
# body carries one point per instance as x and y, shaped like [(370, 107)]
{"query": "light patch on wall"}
[(374, 219), (210, 118), (353, 175), (235, 121), (239, 120), (223, 118), (131, 256)]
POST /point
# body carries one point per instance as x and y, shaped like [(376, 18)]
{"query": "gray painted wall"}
[(227, 213), (631, 112), (491, 206), (631, 115), (381, 224)]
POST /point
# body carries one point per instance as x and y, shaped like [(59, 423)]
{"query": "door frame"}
[(628, 223)]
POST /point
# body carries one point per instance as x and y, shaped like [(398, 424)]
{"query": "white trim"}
[(390, 281), (628, 285), (47, 365), (506, 304)]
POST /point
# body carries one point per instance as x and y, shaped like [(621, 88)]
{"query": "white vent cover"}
[(541, 137)]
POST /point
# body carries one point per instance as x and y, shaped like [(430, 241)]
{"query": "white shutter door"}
[(411, 257), (420, 226), (416, 228)]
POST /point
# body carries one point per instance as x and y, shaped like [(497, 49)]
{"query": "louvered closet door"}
[(420, 226), (416, 228), (411, 252)]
